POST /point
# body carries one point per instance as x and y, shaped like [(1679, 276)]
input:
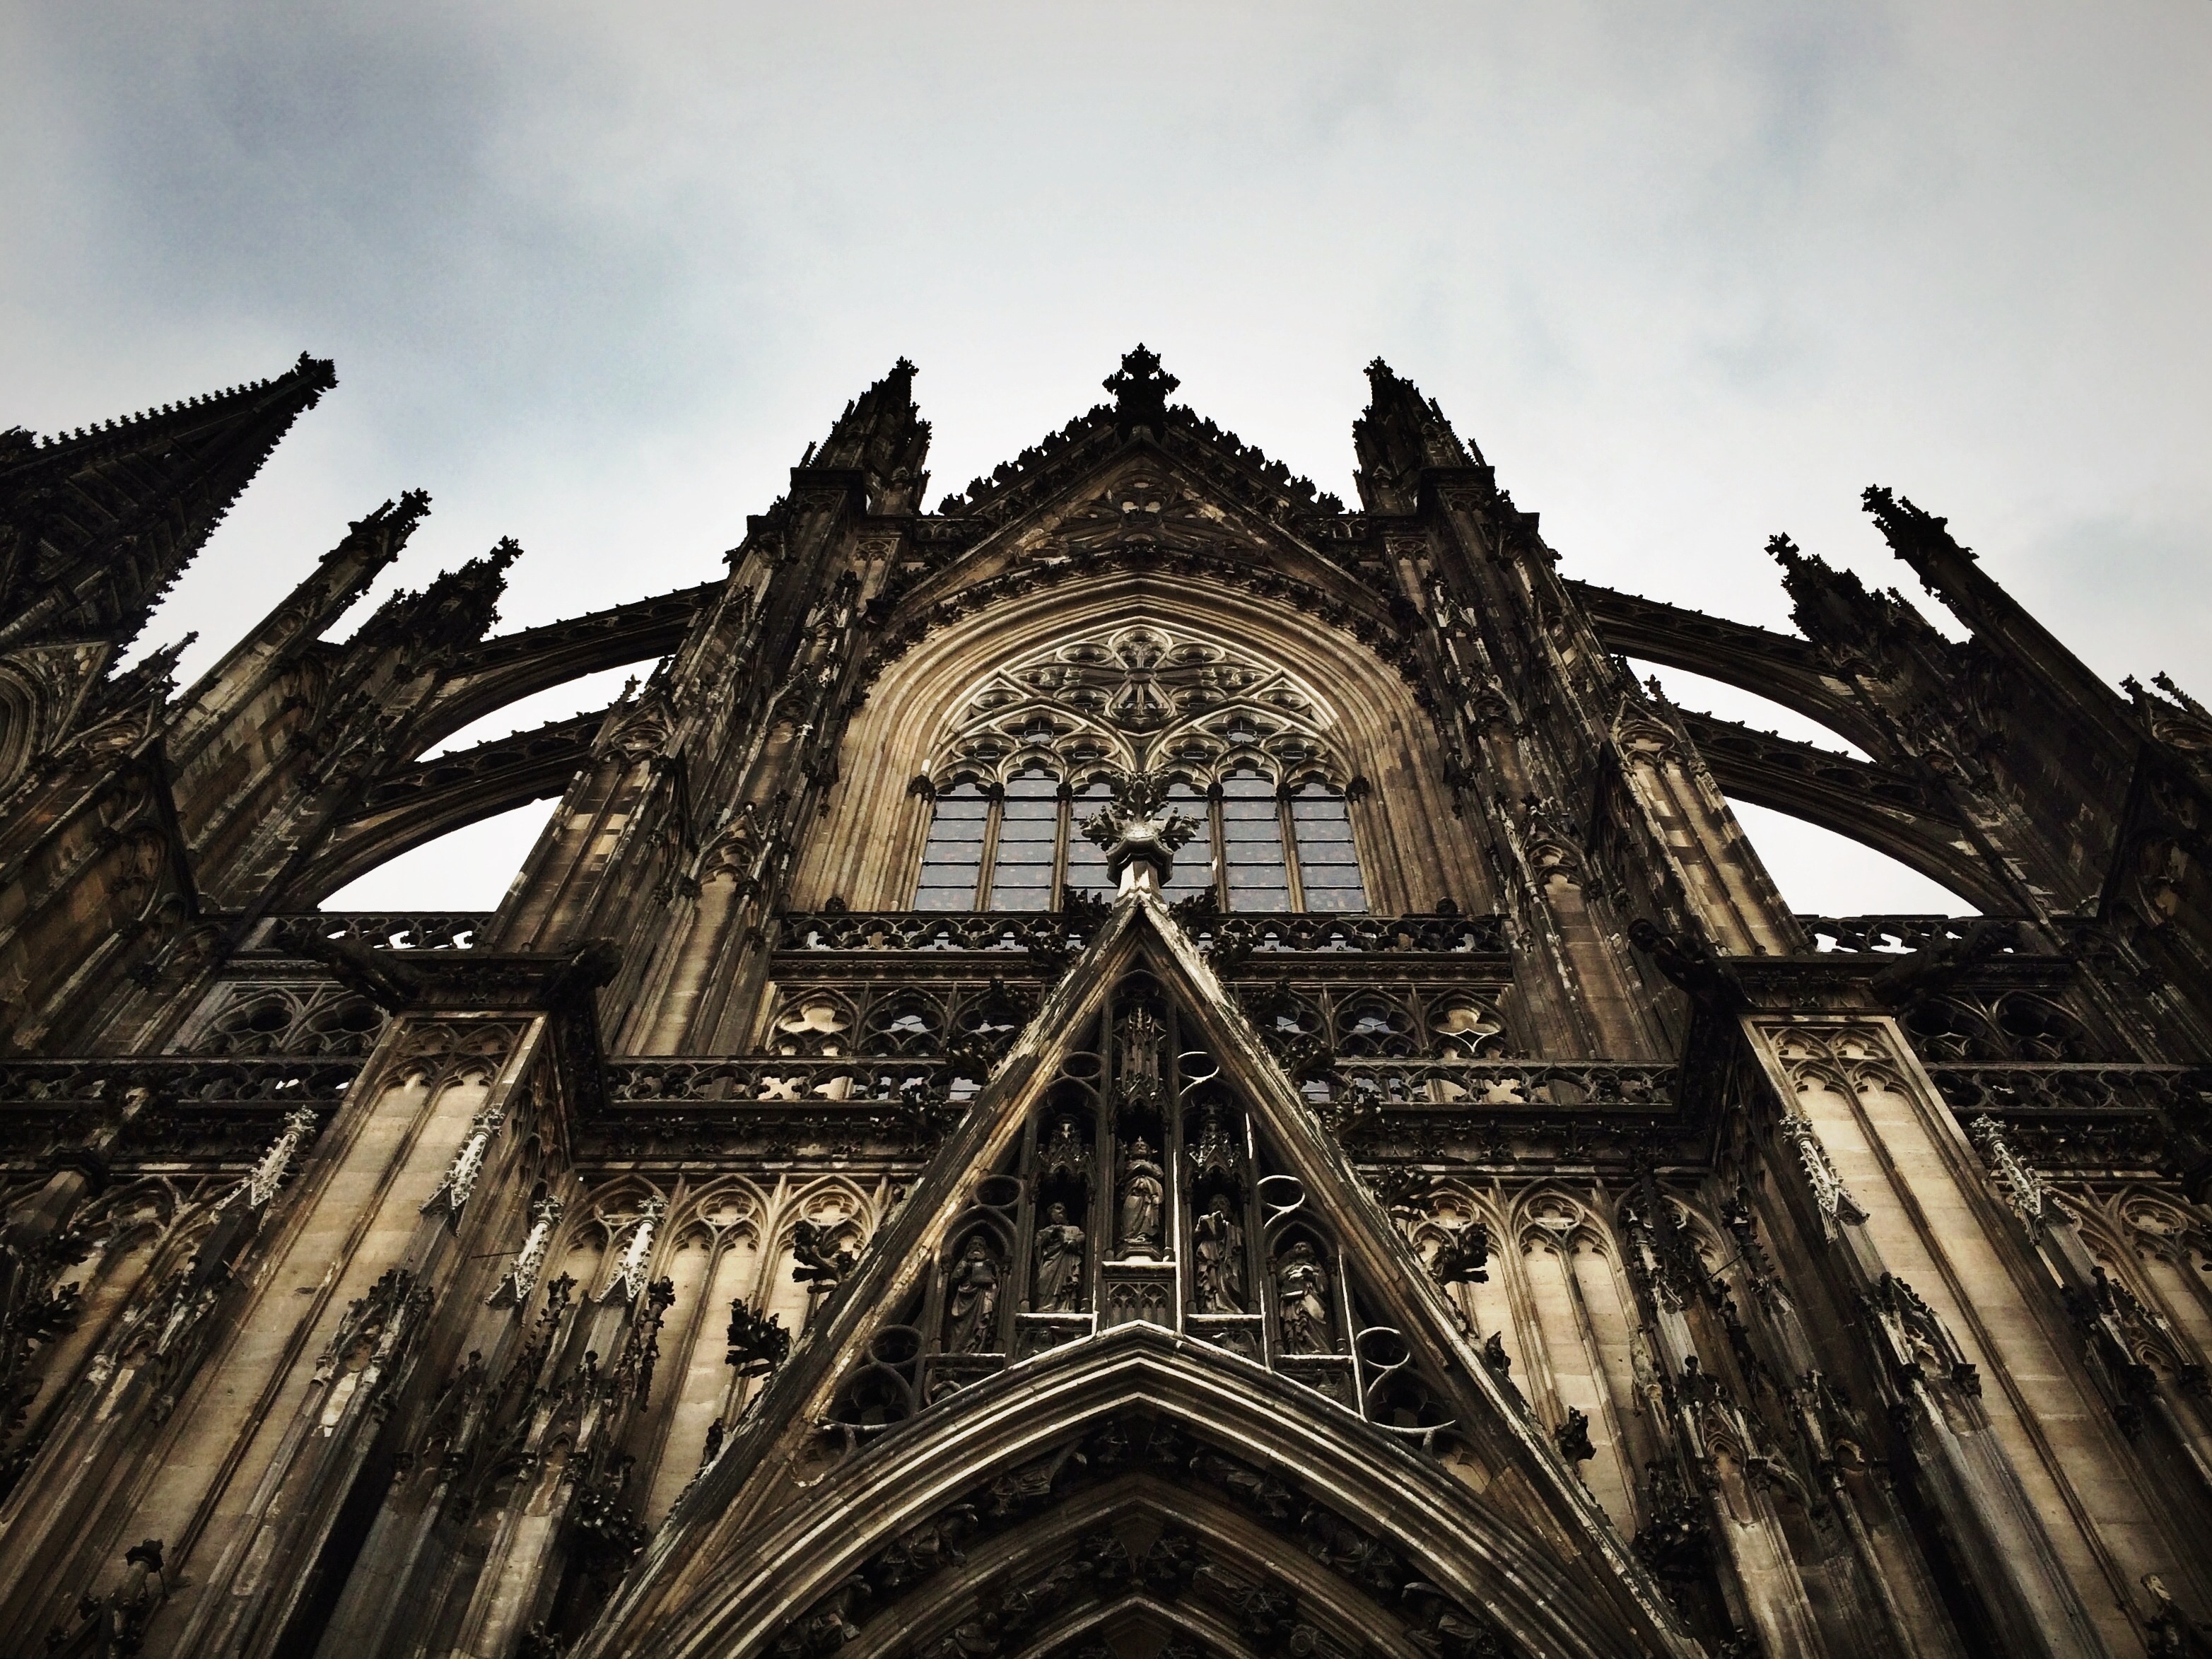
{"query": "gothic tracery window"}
[(1243, 740)]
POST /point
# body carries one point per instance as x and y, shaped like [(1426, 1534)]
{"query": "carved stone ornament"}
[(1836, 1205), (629, 1282), (1063, 1155), (517, 1283), (258, 1187), (1134, 833), (2026, 1190), (462, 1175)]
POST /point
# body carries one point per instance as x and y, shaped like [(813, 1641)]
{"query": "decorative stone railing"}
[(2057, 1088), (1478, 1084), (182, 1081), (1431, 935), (925, 930), (1237, 933), (449, 930), (1884, 933), (774, 1081)]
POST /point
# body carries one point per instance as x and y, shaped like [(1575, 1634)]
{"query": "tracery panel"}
[(1028, 760)]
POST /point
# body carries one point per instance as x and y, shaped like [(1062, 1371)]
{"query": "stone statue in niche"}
[(1058, 1285), (1064, 1156), (971, 1306), (1220, 1244), (1301, 1301), (1144, 1191)]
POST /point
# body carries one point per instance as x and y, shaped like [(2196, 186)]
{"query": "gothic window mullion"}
[(1063, 838), (983, 900), (1284, 828)]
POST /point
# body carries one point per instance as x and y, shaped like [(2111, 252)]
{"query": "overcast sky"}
[(594, 277)]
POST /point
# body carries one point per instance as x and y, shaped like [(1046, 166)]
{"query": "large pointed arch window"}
[(1245, 741)]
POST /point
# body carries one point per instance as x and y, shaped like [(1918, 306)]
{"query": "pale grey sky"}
[(1689, 274)]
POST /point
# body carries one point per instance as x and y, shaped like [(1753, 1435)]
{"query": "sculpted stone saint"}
[(1301, 1301), (974, 1299), (1220, 1251), (1057, 1286), (1144, 1188)]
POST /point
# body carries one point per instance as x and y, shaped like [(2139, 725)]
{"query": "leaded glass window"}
[(1194, 867), (952, 860), (1245, 740), (1255, 849), (1086, 863), (1029, 820), (1328, 865), (1252, 863)]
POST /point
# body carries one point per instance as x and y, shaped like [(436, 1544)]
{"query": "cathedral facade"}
[(1138, 1064)]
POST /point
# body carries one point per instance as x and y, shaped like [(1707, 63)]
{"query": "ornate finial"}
[(1135, 835), (2030, 1198), (1140, 389), (1829, 1193), (468, 1163), (258, 1187), (629, 1278), (515, 1285)]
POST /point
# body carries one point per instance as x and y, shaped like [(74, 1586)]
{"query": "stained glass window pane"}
[(1086, 864), (1029, 834), (1252, 844), (1193, 864), (1328, 865), (952, 858)]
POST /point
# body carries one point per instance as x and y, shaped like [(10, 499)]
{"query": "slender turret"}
[(96, 524), (1400, 433)]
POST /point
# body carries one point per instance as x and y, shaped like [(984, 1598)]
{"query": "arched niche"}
[(867, 845)]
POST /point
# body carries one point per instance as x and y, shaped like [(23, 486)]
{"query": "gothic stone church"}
[(1135, 1065)]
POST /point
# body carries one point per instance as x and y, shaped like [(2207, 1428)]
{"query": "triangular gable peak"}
[(1138, 480), (1139, 1248)]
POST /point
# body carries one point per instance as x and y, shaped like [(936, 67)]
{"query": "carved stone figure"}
[(1144, 1191), (1301, 1301), (972, 1304), (1057, 1287), (1219, 1248)]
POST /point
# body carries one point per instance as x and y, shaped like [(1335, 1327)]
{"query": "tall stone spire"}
[(95, 525), (1400, 433), (882, 436)]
